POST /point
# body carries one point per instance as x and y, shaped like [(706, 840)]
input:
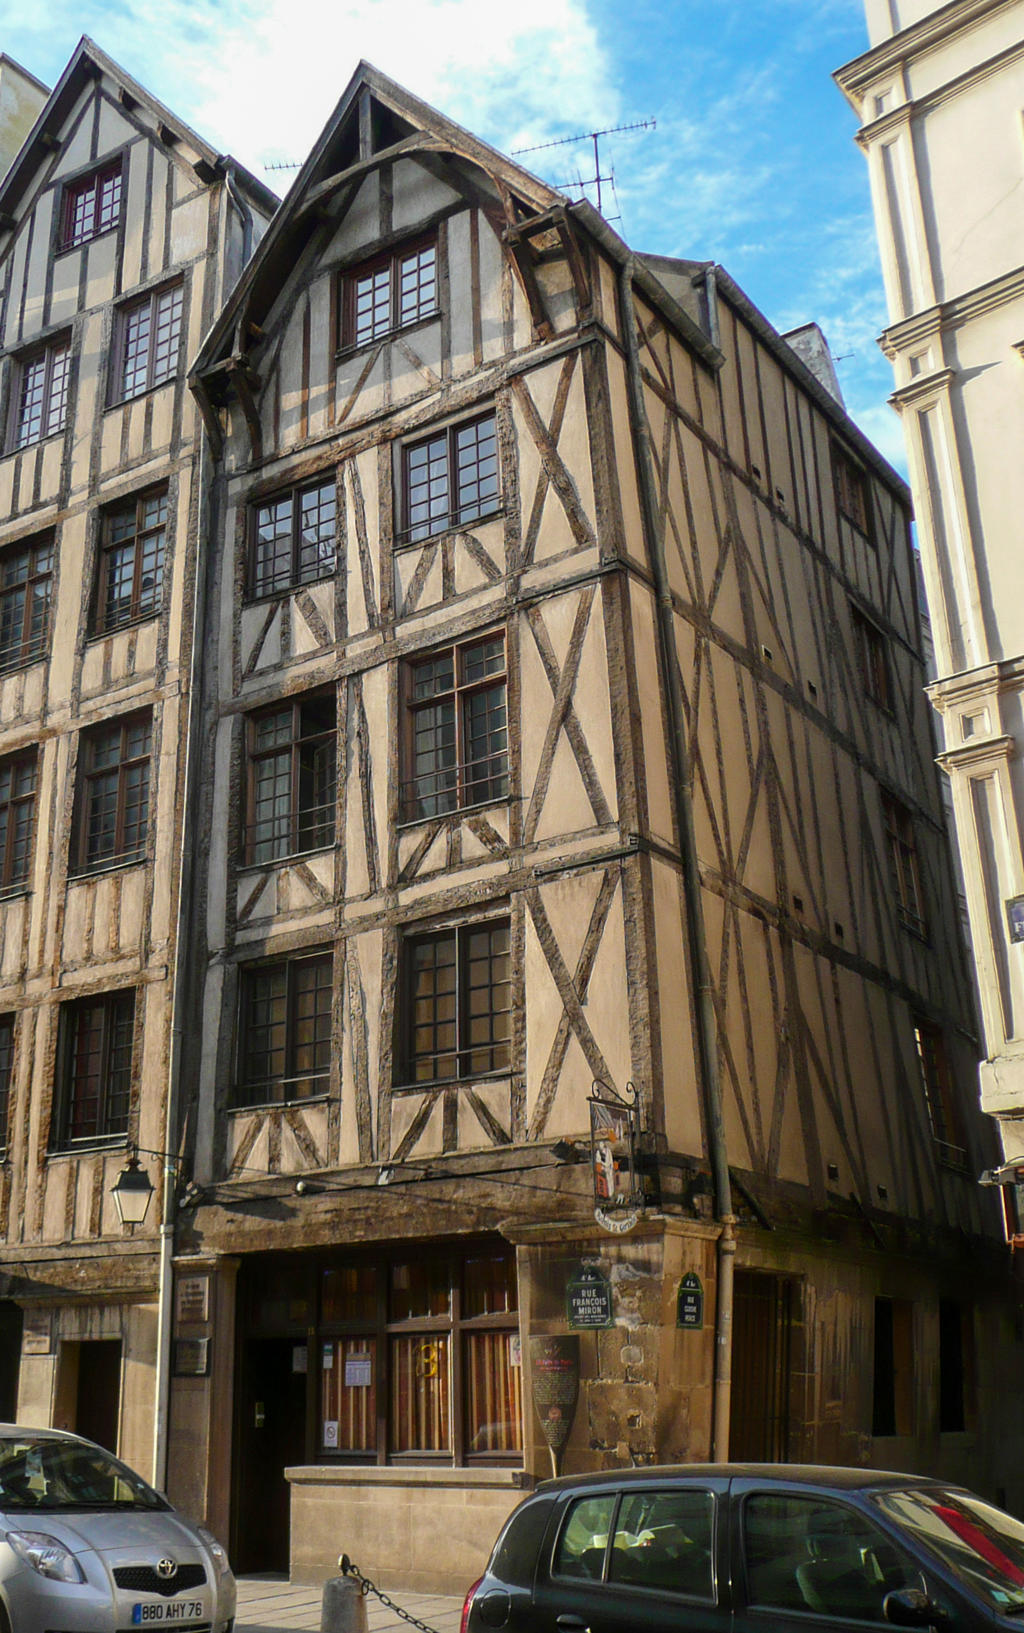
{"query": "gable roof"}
[(376, 118), (87, 63)]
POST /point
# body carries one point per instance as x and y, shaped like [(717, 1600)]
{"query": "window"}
[(285, 1031), (389, 293), (853, 492), (903, 863), (131, 573), (450, 479), (457, 1003), (150, 329), (26, 576), (293, 539), (91, 206), (939, 1097), (95, 1068), (291, 779), (892, 1408), (40, 393), (664, 1540), (456, 730), (113, 794), (428, 1344), (6, 1075), (17, 819), (956, 1365), (807, 1554), (872, 659)]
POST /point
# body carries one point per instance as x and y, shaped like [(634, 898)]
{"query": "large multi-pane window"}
[(904, 868), (294, 539), (17, 819), (456, 739), (113, 793), (939, 1095), (94, 1090), (26, 578), (150, 331), (40, 403), (853, 491), (91, 206), (291, 792), (6, 1076), (284, 1031), (134, 538), (450, 478), (872, 659), (457, 1003), (388, 293)]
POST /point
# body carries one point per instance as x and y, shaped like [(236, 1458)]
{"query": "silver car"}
[(86, 1546)]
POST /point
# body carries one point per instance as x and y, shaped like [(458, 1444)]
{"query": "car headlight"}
[(46, 1555), (219, 1553)]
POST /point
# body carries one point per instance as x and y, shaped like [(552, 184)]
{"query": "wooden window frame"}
[(36, 554), (353, 334), (300, 813), (319, 962), (904, 864), (944, 1117), (853, 491), (88, 778), (141, 603), (459, 784), (8, 1029), (462, 1048), (161, 362), (441, 448), (14, 876), (277, 583), (113, 1012), (99, 221), (873, 660), (53, 396)]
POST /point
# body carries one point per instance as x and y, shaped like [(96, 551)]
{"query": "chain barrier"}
[(347, 1568)]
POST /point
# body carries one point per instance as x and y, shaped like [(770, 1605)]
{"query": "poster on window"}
[(358, 1370)]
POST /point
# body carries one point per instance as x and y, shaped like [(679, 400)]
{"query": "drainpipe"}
[(243, 210), (682, 785)]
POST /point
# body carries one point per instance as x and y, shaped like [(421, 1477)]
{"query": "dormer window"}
[(91, 206), (390, 292)]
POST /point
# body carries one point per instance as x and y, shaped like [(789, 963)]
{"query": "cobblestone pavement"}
[(269, 1604)]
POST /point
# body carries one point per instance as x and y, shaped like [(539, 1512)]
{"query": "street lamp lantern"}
[(132, 1191)]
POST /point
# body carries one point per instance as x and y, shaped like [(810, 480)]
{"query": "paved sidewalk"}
[(269, 1604)]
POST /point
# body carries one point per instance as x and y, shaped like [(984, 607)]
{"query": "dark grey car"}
[(741, 1548)]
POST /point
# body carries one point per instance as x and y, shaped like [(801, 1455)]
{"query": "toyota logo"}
[(166, 1569)]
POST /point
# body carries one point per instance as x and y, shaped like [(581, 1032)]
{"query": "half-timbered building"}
[(120, 231), (563, 726)]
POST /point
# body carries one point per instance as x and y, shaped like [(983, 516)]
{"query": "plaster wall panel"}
[(646, 670), (416, 363), (361, 386), (51, 455), (137, 1366), (492, 271), (464, 304), (101, 269), (363, 1019), (64, 272), (471, 572), (13, 920), (77, 150), (7, 470), (188, 228), (158, 250), (321, 346), (36, 315), (14, 332), (416, 195), (964, 51), (135, 185)]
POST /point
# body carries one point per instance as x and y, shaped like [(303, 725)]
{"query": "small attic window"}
[(91, 205), (853, 490), (391, 292)]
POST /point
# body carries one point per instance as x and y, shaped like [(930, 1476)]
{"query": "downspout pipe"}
[(244, 212), (682, 791)]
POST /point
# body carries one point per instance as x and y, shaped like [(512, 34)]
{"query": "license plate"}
[(180, 1611)]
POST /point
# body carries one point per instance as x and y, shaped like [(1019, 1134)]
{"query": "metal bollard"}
[(344, 1607)]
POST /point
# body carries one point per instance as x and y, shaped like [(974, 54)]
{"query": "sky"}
[(751, 160)]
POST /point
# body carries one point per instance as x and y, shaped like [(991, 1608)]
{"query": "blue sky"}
[(752, 163)]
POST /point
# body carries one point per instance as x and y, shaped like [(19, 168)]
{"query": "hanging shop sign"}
[(690, 1302), (588, 1299), (555, 1373), (614, 1134)]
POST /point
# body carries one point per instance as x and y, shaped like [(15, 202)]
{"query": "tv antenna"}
[(592, 136)]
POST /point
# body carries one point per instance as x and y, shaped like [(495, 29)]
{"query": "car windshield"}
[(981, 1545), (41, 1474)]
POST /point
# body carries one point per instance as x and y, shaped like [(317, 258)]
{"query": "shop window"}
[(457, 1002), (291, 785), (450, 479), (112, 818), (6, 1076), (455, 728), (133, 542), (40, 395), (389, 293), (853, 490), (285, 1031), (892, 1410), (149, 334), (293, 539), (95, 1071), (91, 206), (904, 866), (17, 819), (939, 1096), (26, 586), (872, 659)]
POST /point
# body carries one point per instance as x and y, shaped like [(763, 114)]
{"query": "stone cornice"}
[(976, 754), (954, 313), (854, 77), (920, 390), (876, 130)]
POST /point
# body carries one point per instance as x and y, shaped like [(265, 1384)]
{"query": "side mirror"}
[(910, 1607)]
